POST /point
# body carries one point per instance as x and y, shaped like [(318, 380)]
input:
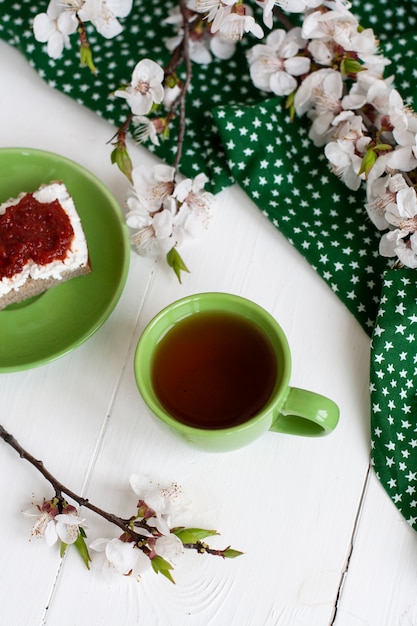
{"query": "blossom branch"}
[(153, 538)]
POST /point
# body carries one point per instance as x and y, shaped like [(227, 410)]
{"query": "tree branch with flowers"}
[(329, 69), (147, 540)]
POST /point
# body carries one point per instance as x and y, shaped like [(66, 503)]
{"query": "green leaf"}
[(368, 162), (165, 132), (171, 80), (350, 66), (289, 104), (229, 553), (175, 261), (62, 549), (160, 566), (82, 548), (383, 147), (155, 108), (120, 156), (192, 535), (86, 58)]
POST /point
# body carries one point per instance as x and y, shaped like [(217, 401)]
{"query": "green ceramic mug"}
[(282, 408)]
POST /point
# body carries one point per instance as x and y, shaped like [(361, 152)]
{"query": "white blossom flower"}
[(311, 85), (44, 526), (163, 212), (345, 161), (152, 184), (52, 525), (123, 557), (369, 89), (404, 133), (339, 25), (198, 38), (209, 7), (204, 45), (151, 209), (198, 48), (402, 241), (103, 15), (298, 6), (291, 6), (162, 500), (222, 47), (273, 65), (67, 527), (326, 111), (169, 547), (398, 243), (171, 94), (321, 51), (203, 42), (145, 88), (365, 44), (191, 194), (54, 27), (268, 8), (396, 123), (381, 192), (145, 128), (234, 24), (403, 212)]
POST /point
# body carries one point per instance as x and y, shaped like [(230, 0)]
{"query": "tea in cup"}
[(215, 367)]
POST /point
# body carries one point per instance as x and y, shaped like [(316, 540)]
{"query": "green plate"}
[(48, 326)]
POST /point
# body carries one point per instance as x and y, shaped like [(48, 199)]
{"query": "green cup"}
[(287, 410)]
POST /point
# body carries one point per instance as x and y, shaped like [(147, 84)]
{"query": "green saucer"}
[(48, 326)]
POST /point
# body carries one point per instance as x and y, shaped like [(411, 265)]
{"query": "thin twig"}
[(185, 86), (285, 21), (60, 488), (124, 524)]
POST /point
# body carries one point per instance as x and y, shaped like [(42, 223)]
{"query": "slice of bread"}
[(41, 270)]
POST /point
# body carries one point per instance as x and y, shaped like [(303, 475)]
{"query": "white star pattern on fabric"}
[(395, 398)]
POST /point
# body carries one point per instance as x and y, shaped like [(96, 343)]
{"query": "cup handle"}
[(307, 414)]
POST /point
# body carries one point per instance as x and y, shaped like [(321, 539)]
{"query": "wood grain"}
[(323, 544)]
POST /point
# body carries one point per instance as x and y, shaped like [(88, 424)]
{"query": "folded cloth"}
[(393, 391), (235, 133), (289, 179), (269, 155)]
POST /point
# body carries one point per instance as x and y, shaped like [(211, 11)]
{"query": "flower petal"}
[(56, 44), (169, 546), (43, 27), (50, 534), (282, 84)]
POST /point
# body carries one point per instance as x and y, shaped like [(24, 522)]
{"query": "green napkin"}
[(236, 134), (289, 179), (393, 391), (268, 156)]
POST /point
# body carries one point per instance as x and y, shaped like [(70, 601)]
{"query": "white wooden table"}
[(323, 543)]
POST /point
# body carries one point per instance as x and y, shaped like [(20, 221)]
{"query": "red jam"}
[(32, 230)]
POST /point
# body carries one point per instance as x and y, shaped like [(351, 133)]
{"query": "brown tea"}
[(214, 370)]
